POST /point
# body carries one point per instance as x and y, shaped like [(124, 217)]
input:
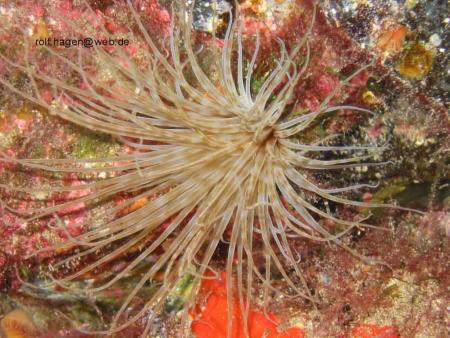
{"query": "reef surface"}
[(406, 88)]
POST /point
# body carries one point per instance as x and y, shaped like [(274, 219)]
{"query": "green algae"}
[(6, 139), (179, 294), (391, 189), (391, 291), (92, 145), (37, 151)]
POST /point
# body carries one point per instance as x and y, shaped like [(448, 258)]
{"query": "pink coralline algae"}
[(374, 331)]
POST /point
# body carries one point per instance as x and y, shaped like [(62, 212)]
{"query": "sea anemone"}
[(215, 159)]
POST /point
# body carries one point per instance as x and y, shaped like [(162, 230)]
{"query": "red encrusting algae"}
[(211, 320)]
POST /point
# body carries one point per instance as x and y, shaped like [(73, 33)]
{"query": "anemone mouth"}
[(212, 158), (264, 135)]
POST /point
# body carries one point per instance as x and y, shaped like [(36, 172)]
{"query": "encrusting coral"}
[(212, 159)]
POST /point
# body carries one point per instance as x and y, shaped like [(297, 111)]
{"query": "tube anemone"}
[(216, 159)]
